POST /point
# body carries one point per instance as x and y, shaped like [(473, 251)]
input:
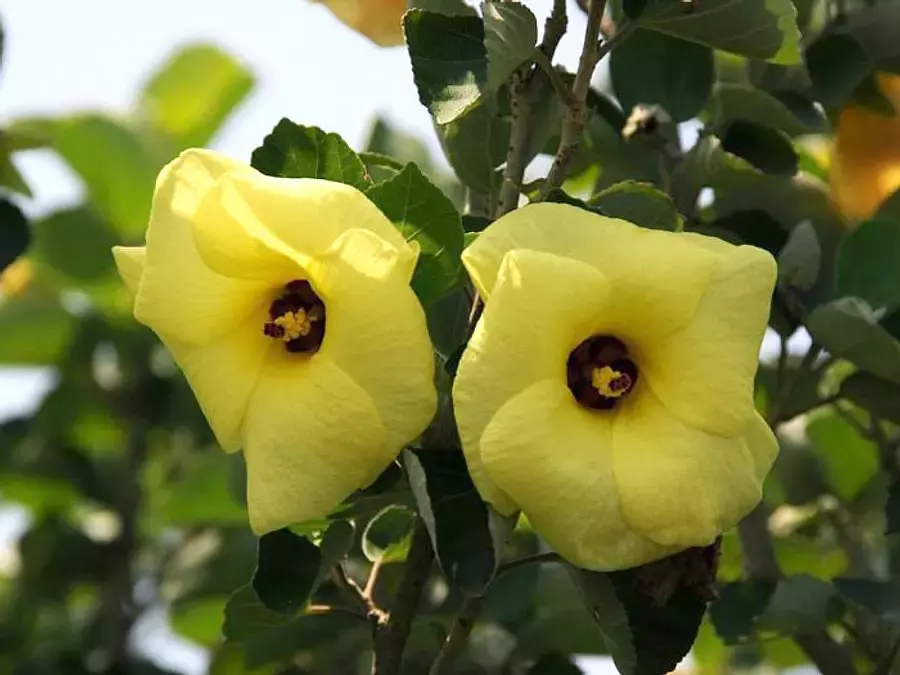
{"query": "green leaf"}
[(246, 616), (204, 495), (192, 94), (286, 571), (801, 604), (387, 535), (875, 28), (837, 65), (448, 320), (475, 145), (740, 604), (425, 215), (117, 163), (467, 536), (510, 35), (14, 233), (654, 68), (448, 7), (737, 101), (295, 151), (761, 29), (867, 263), (765, 148), (643, 637), (639, 203), (75, 244), (878, 396), (849, 461), (10, 177), (848, 329), (880, 597), (33, 331), (554, 663), (200, 620), (449, 61), (799, 260)]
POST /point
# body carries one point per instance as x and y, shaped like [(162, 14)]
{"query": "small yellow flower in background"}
[(286, 302), (607, 391), (865, 167), (378, 20), (16, 278)]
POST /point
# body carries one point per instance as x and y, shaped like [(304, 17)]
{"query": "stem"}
[(576, 113), (332, 609), (535, 558), (774, 418), (459, 633), (519, 136), (392, 634), (561, 88)]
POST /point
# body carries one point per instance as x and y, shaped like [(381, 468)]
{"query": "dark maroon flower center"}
[(297, 317), (599, 372)]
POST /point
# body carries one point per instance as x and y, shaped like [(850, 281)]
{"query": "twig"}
[(335, 609), (352, 591), (576, 113), (786, 388), (392, 634), (561, 88), (782, 363), (373, 579), (459, 633), (536, 558)]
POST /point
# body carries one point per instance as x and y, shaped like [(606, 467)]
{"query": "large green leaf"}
[(286, 572), (644, 637), (475, 145), (732, 101), (867, 264), (762, 29), (33, 331), (204, 495), (424, 215), (75, 244), (848, 328), (837, 65), (654, 68), (467, 536), (639, 203), (849, 461), (14, 233), (738, 607), (117, 163), (874, 394), (765, 148), (801, 604), (510, 35), (449, 61), (192, 94), (295, 151)]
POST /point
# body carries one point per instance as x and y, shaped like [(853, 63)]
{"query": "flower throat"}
[(599, 372), (297, 317)]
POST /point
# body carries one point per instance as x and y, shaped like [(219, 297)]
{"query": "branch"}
[(576, 113), (392, 634), (459, 633), (536, 558)]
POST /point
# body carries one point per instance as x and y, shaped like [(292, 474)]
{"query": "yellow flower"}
[(16, 278), (865, 168), (287, 305), (607, 391), (378, 20)]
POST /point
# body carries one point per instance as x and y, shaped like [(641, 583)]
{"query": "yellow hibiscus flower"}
[(865, 167), (286, 302), (607, 391), (379, 20)]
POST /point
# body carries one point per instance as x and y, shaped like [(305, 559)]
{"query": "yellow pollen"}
[(295, 324), (610, 382)]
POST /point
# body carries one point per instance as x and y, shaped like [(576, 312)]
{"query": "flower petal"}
[(678, 485), (762, 445), (252, 215), (554, 458), (542, 307), (178, 294), (223, 375), (704, 373), (312, 437), (130, 261), (376, 331), (656, 278)]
